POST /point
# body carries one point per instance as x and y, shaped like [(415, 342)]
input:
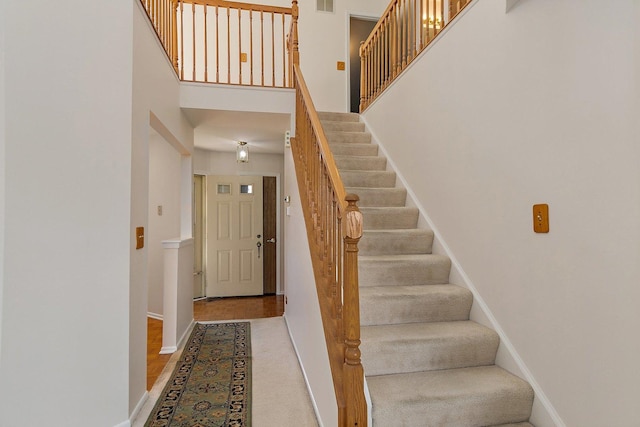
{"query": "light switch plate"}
[(541, 218), (341, 65), (243, 57), (139, 237)]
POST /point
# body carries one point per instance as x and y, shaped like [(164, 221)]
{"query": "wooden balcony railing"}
[(334, 227), (405, 29), (225, 42)]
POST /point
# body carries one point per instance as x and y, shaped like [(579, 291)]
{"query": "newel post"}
[(353, 372)]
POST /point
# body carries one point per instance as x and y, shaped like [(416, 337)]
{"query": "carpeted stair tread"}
[(478, 396), (380, 178), (343, 117), (396, 242), (426, 347), (381, 218), (525, 424), (379, 197), (380, 305), (364, 163), (342, 126), (348, 137), (403, 270), (354, 149)]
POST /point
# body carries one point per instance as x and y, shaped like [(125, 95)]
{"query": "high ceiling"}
[(219, 130)]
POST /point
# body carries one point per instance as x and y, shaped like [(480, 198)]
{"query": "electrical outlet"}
[(541, 218), (159, 210)]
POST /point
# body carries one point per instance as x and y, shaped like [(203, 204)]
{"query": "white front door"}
[(234, 235)]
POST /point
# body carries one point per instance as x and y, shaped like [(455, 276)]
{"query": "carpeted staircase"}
[(425, 362)]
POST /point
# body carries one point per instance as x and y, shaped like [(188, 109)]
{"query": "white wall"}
[(2, 166), (324, 40), (155, 104), (223, 163), (67, 224), (302, 311), (535, 106), (164, 190)]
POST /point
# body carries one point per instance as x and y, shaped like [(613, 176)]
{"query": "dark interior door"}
[(270, 233), (360, 29)]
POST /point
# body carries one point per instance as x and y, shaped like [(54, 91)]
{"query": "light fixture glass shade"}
[(242, 152)]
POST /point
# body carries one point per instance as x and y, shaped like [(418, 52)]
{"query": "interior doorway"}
[(198, 237), (359, 30)]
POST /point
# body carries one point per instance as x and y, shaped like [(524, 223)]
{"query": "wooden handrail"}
[(334, 227), (406, 28), (242, 6)]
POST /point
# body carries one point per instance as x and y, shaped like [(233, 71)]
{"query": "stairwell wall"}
[(536, 106)]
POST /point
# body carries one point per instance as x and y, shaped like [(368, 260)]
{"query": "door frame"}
[(348, 16), (279, 284)]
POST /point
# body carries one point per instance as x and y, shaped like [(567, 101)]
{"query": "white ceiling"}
[(219, 130)]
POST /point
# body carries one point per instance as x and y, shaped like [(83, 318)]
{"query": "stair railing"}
[(405, 29), (224, 42), (334, 227)]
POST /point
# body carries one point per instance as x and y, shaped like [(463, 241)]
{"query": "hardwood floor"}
[(216, 309)]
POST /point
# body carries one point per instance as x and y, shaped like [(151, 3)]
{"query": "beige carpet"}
[(279, 396)]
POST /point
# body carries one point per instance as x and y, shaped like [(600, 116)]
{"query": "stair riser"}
[(342, 126), (446, 352), (379, 197), (396, 242), (354, 149), (386, 310), (385, 220), (348, 137), (361, 163), (379, 179), (428, 270)]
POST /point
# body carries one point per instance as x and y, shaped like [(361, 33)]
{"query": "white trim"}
[(177, 243), (138, 408), (186, 333), (124, 424), (467, 282), (168, 350), (154, 315), (304, 374)]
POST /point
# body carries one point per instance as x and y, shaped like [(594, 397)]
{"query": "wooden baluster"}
[(206, 50), (284, 50), (435, 30), (239, 46), (262, 47), (217, 45), (353, 371), (294, 32), (251, 45), (441, 15), (363, 77), (174, 37), (193, 35), (181, 40), (228, 45), (273, 50)]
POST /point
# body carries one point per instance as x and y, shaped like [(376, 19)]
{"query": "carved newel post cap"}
[(353, 217)]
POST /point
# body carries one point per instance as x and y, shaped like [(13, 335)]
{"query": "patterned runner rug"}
[(211, 384)]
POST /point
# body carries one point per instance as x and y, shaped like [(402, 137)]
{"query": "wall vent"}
[(324, 5)]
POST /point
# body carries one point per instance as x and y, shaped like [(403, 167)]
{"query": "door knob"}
[(271, 240)]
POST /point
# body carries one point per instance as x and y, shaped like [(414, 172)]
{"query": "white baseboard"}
[(545, 404), (136, 410), (124, 424), (186, 333), (154, 315), (168, 350), (304, 374)]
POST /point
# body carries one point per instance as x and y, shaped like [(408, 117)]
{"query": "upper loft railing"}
[(405, 29), (334, 227), (225, 42)]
